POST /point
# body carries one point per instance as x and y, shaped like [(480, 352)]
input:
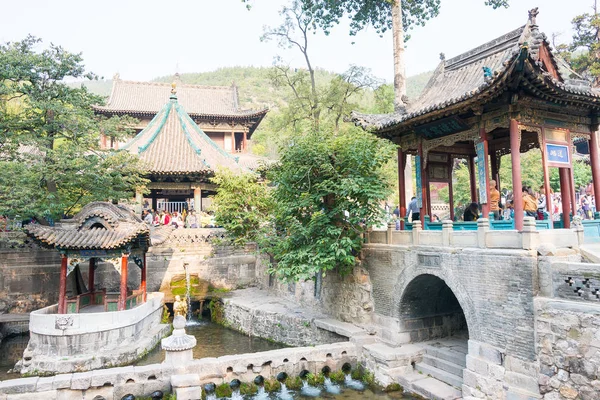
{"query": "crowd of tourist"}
[(502, 205), (177, 219)]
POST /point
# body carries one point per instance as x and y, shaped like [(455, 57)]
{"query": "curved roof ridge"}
[(199, 131), (179, 85)]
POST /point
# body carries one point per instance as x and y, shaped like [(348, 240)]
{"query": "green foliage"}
[(583, 53), (461, 188), (166, 316), (327, 191), (216, 311), (393, 387), (328, 13), (50, 164), (532, 175), (242, 205)]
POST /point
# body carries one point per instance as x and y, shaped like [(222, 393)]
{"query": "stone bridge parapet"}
[(484, 237)]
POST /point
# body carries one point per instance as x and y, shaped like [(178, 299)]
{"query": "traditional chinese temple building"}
[(180, 158), (506, 96), (215, 109), (91, 327)]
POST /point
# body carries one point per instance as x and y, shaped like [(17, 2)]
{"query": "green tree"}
[(312, 105), (583, 53), (328, 189), (398, 15), (243, 206), (49, 136)]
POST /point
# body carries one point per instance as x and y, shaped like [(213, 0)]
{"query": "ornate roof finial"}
[(174, 88), (533, 13), (442, 57), (116, 77)]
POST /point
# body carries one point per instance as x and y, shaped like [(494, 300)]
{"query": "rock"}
[(568, 392)]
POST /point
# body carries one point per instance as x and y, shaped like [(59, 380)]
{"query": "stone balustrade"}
[(114, 383), (484, 237)]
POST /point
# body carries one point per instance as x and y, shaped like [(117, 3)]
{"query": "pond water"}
[(11, 351), (213, 341)]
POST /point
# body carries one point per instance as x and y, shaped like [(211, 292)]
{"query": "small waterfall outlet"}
[(188, 291)]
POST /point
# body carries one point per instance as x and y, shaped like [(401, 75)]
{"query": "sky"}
[(142, 40)]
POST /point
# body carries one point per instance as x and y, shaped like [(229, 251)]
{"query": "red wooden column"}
[(423, 186), (495, 168), (595, 163), (547, 185), (143, 284), (450, 187), (572, 191), (401, 186), (485, 207), (123, 292), (472, 181), (91, 274), (565, 194), (244, 141), (517, 184), (62, 288)]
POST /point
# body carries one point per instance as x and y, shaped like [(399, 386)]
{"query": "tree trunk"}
[(399, 67)]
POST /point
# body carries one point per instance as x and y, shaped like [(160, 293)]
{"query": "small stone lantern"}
[(178, 347)]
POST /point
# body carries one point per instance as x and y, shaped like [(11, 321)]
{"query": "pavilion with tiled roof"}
[(99, 232), (506, 96), (215, 109), (179, 157)]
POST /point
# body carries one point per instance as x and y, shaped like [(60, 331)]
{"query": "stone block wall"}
[(568, 348), (493, 287), (28, 279), (345, 298), (287, 328), (118, 338)]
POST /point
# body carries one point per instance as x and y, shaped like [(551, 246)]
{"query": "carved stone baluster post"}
[(416, 231), (447, 228), (483, 226)]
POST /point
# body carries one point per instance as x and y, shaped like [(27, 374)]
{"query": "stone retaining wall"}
[(82, 342), (281, 327), (345, 298), (568, 346), (114, 383)]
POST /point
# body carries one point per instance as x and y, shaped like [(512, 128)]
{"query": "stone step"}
[(444, 353), (339, 327), (433, 389), (444, 365), (439, 374)]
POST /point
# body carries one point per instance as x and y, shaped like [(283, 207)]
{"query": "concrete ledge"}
[(341, 328)]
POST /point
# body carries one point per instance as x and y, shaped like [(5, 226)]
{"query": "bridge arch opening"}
[(429, 310), (432, 315)]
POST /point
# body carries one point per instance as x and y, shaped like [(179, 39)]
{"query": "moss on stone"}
[(393, 387)]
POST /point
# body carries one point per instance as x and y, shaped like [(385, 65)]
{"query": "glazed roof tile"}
[(98, 226), (148, 98), (462, 78), (172, 144)]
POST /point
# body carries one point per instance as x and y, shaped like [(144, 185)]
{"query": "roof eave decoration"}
[(515, 55), (98, 226)]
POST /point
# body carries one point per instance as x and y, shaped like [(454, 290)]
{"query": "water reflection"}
[(216, 341), (11, 351)]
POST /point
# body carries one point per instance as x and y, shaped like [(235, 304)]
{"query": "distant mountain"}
[(255, 87)]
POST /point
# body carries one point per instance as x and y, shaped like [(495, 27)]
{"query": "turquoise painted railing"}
[(591, 227)]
